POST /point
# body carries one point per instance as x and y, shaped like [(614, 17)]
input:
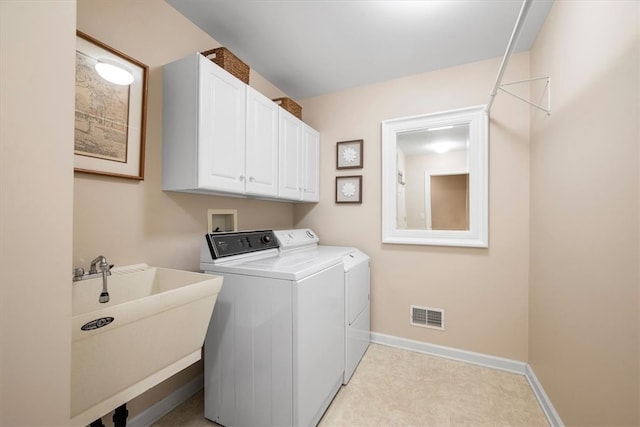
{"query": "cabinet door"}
[(290, 155), (221, 129), (261, 166), (310, 164)]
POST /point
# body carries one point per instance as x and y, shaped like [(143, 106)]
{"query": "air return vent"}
[(427, 317)]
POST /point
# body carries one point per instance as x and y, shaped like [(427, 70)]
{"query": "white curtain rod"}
[(524, 10)]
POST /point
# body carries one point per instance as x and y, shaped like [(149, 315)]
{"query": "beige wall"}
[(484, 291), (36, 190), (129, 221), (584, 309)]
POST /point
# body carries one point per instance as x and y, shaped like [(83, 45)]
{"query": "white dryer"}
[(357, 291), (357, 310), (274, 350)]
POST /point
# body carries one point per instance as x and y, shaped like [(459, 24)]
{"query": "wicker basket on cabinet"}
[(226, 60), (290, 105)]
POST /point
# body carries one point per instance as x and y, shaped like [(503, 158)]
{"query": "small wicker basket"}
[(226, 60), (290, 105)]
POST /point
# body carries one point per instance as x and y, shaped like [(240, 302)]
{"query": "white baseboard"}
[(543, 399), (451, 353), (486, 360), (168, 404)]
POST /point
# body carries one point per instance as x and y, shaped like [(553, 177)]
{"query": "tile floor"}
[(394, 387)]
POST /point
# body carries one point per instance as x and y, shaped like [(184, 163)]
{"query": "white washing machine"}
[(357, 314), (275, 347)]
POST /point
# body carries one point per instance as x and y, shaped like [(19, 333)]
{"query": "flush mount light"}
[(440, 128), (114, 72), (441, 147)]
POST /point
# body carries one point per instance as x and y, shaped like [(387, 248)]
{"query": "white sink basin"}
[(153, 326)]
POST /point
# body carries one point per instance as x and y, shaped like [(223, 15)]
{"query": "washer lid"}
[(295, 265)]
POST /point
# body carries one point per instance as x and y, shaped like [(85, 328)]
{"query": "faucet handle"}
[(78, 272)]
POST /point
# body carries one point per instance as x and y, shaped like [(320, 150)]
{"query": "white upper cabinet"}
[(290, 156), (262, 145), (310, 162), (221, 129), (203, 127), (299, 151), (223, 137)]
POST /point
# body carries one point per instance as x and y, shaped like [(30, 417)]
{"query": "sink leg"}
[(120, 416), (97, 423)]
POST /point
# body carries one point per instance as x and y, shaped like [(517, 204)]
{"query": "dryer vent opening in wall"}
[(427, 317)]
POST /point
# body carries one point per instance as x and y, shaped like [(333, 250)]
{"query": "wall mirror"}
[(435, 179)]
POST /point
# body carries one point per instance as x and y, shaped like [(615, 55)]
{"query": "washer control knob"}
[(265, 239)]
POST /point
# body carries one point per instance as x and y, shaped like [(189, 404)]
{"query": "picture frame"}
[(349, 189), (349, 154), (110, 119)]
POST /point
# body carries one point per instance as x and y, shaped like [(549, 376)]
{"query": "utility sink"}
[(153, 327)]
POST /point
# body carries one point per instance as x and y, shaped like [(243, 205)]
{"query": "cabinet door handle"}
[(251, 179), (241, 178)]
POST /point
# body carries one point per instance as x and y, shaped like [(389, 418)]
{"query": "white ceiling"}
[(427, 141), (312, 47)]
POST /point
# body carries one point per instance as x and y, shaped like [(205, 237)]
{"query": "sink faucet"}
[(105, 270), (103, 264)]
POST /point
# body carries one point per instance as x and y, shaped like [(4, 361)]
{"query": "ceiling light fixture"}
[(441, 147), (114, 72)]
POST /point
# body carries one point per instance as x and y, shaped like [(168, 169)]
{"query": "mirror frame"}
[(478, 166)]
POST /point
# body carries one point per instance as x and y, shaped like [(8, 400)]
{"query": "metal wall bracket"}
[(547, 92)]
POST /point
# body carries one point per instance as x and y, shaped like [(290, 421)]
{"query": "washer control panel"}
[(296, 238), (240, 242)]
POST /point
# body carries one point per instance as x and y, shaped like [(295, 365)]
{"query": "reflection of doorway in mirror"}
[(447, 198), (433, 150), (401, 220)]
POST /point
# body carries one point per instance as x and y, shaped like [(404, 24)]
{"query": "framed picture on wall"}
[(111, 109), (349, 189), (349, 154)]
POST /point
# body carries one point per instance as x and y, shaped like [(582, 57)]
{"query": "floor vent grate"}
[(427, 317)]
